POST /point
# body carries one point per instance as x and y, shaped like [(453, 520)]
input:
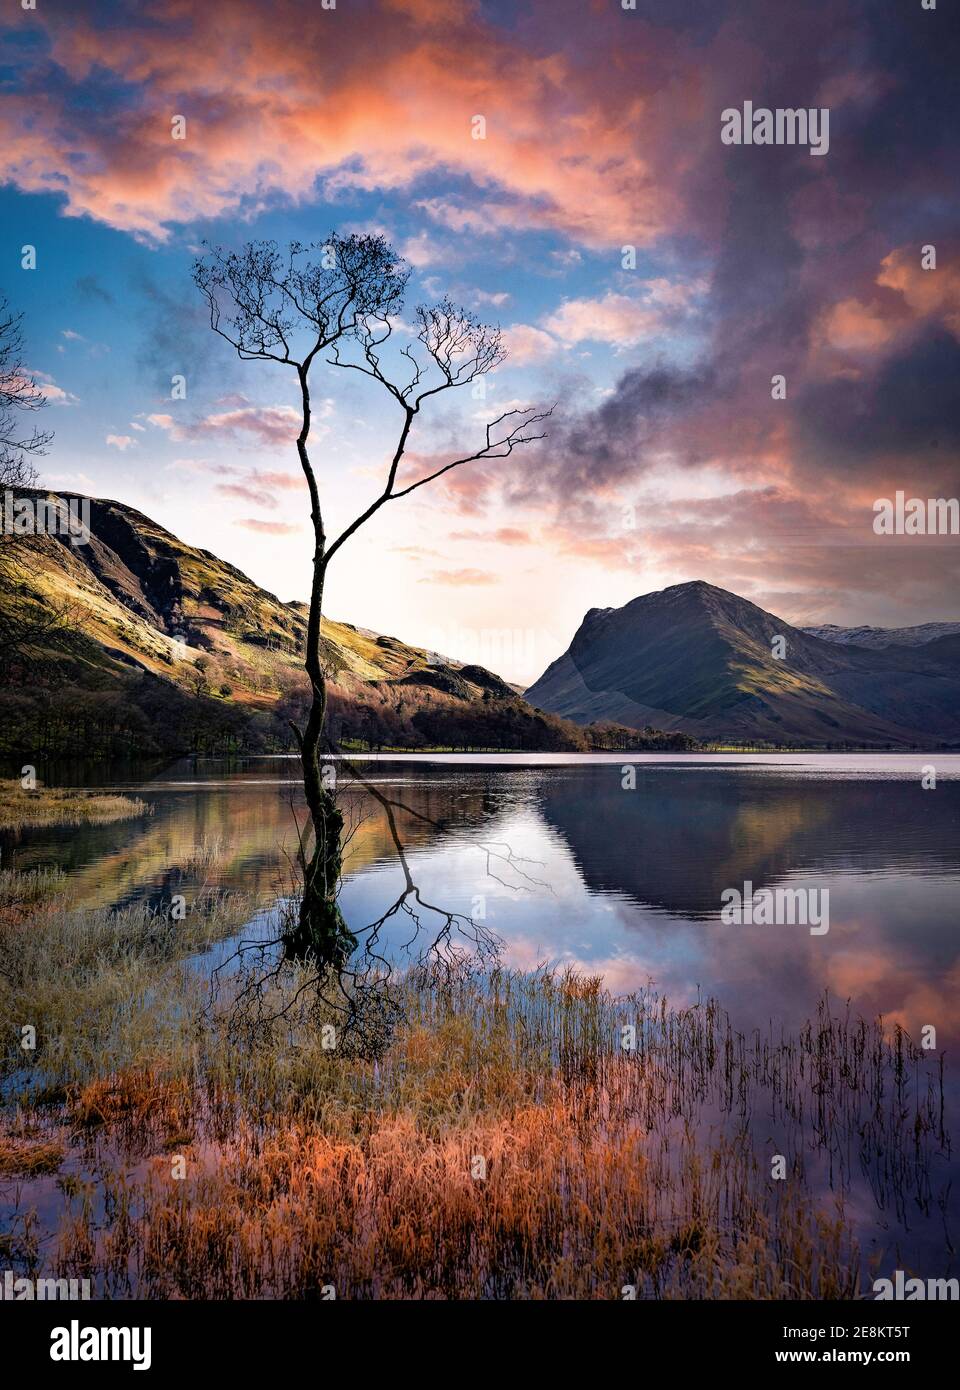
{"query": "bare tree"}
[(363, 995), (20, 394), (343, 298)]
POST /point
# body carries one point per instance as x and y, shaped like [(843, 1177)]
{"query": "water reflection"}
[(563, 864)]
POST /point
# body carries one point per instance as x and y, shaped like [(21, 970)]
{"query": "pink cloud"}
[(268, 528), (246, 493), (273, 425), (270, 425), (619, 319), (526, 344), (502, 535), (933, 292), (852, 326), (55, 394), (459, 578), (275, 96)]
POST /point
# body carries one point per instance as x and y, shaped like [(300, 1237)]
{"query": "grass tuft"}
[(62, 806)]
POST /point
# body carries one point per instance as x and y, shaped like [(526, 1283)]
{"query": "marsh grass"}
[(61, 806), (209, 853), (29, 1158), (24, 887), (503, 1145), (97, 984)]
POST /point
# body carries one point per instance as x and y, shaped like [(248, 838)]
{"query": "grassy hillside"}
[(162, 647), (697, 658)]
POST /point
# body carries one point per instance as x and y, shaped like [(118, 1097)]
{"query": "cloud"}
[(260, 487), (813, 275), (270, 425), (417, 552), (80, 482), (526, 344), (624, 320), (69, 335), (89, 287), (121, 441), (247, 493), (273, 425), (619, 319), (602, 131), (257, 85), (927, 292), (192, 465), (501, 535), (268, 528), (422, 250), (462, 578), (175, 339), (464, 218), (55, 394), (497, 300), (852, 326), (291, 482), (567, 258), (166, 422)]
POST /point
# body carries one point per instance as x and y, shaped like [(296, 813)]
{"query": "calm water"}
[(565, 865), (568, 866)]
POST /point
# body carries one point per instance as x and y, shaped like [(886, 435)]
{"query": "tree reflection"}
[(281, 977)]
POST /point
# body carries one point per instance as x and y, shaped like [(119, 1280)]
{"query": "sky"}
[(650, 282)]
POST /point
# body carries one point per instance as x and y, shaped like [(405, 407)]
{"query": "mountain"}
[(766, 829), (884, 636), (161, 646), (699, 659)]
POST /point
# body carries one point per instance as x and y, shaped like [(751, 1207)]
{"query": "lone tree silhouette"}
[(342, 297)]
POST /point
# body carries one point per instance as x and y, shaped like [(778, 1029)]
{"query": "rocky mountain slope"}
[(697, 658), (884, 636), (162, 645)]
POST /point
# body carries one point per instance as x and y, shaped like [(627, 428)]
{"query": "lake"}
[(572, 860)]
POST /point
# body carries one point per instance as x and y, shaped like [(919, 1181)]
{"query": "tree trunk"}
[(321, 935)]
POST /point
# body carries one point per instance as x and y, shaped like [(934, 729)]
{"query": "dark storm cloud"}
[(908, 410), (607, 445), (792, 237)]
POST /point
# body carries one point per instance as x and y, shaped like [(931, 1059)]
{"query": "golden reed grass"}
[(21, 888), (20, 807), (24, 1157), (504, 1145)]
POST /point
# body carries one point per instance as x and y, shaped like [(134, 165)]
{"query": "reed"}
[(503, 1145), (208, 853), (20, 808), (104, 989), (21, 1156), (21, 888)]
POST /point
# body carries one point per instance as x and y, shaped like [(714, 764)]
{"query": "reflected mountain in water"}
[(687, 833)]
